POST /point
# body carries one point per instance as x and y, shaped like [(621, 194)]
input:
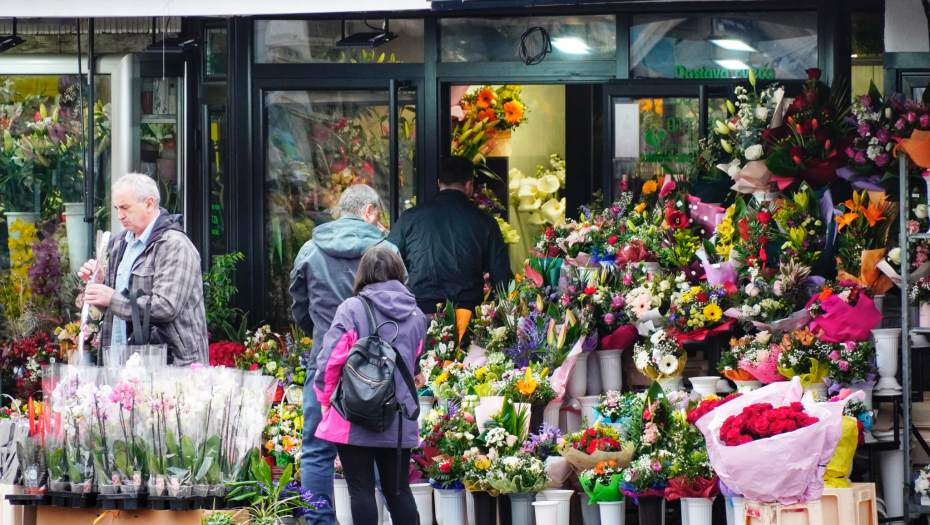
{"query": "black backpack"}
[(366, 393)]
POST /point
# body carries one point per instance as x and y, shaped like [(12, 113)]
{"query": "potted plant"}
[(273, 502)]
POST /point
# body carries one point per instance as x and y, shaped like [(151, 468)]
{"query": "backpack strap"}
[(372, 323)]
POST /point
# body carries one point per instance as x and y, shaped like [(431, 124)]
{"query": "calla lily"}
[(554, 211), (536, 219), (752, 78), (529, 203), (548, 184), (528, 187)]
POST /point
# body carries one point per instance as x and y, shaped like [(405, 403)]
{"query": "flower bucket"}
[(521, 507), (612, 512), (735, 515), (109, 489), (564, 499), (576, 386), (546, 512), (700, 511), (423, 495), (595, 385), (426, 404), (437, 505), (341, 502), (651, 510), (470, 508), (453, 507), (484, 508), (587, 408), (611, 377), (748, 385), (704, 385), (886, 351)]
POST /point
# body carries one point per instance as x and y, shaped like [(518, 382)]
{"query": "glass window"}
[(776, 45), (160, 135), (217, 165), (307, 41), (868, 48), (215, 49), (318, 144), (42, 173), (573, 38)]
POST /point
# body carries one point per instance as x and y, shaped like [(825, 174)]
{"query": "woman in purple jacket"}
[(380, 279)]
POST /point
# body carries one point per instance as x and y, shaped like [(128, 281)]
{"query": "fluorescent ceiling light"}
[(571, 45), (733, 45), (732, 64)]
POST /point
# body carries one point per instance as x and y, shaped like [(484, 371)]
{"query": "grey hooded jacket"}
[(324, 273)]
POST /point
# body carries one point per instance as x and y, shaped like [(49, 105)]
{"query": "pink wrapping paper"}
[(753, 178), (767, 372), (794, 462), (476, 358), (717, 273), (848, 323), (705, 216), (560, 377)]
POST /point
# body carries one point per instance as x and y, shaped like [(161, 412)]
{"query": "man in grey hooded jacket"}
[(322, 279)]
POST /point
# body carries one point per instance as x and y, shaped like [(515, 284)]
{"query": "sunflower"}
[(513, 112), (485, 98), (713, 312), (668, 365)]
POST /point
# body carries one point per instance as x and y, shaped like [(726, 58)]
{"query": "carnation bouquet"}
[(448, 433), (660, 355), (588, 447), (647, 475), (852, 365)]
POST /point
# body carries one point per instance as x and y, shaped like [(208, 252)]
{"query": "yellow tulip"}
[(549, 184), (752, 78), (554, 211), (730, 107)]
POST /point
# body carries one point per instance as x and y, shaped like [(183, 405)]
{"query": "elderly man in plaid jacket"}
[(153, 258)]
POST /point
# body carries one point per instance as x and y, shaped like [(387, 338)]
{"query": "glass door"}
[(653, 130), (317, 143)]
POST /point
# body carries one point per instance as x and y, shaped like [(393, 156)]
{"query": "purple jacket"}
[(392, 302)]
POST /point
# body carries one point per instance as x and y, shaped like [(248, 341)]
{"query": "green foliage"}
[(218, 290), (56, 463)]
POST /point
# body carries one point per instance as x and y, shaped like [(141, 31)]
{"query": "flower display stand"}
[(886, 350), (551, 413), (735, 513), (590, 514), (704, 385), (852, 506), (341, 502), (700, 511), (587, 408), (470, 508), (750, 385), (595, 386), (453, 506), (804, 513), (437, 505), (521, 507), (671, 384)]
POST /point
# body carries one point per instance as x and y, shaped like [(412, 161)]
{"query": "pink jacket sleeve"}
[(336, 345)]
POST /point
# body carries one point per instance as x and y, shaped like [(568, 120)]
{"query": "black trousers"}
[(359, 466)]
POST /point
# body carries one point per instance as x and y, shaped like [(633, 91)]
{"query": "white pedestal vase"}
[(437, 505), (611, 376), (546, 512), (886, 349), (594, 378), (426, 404), (341, 502), (587, 408), (819, 389), (576, 386), (925, 500), (564, 499), (521, 507), (453, 507), (612, 512), (570, 421), (423, 495), (892, 466), (590, 514), (748, 385), (470, 508), (704, 385), (671, 384), (78, 235), (723, 386), (551, 413), (700, 511)]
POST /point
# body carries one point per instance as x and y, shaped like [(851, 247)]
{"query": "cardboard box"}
[(62, 515)]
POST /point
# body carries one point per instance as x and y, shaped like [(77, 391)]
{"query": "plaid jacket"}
[(168, 273)]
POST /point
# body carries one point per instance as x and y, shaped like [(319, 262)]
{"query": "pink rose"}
[(834, 355), (844, 366), (627, 279), (924, 121), (566, 300), (911, 116), (667, 189), (913, 227)]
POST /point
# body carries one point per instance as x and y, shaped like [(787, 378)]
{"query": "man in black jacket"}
[(448, 244)]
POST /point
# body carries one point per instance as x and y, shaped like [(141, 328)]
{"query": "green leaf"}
[(155, 467), (188, 453), (876, 95), (56, 466), (121, 457), (779, 163), (286, 476)]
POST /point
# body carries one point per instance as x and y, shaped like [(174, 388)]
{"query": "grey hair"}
[(142, 186), (356, 197)]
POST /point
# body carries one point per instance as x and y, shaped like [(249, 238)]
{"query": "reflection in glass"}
[(574, 38), (160, 137), (654, 137), (318, 144), (309, 41), (779, 45), (217, 166), (215, 49)]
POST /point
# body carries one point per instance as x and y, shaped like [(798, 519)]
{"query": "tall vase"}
[(470, 508), (886, 350), (564, 499), (78, 235), (577, 386), (671, 384), (700, 511), (704, 385), (612, 512), (611, 378), (423, 495), (590, 514), (341, 502), (521, 507), (595, 388), (437, 505), (453, 507), (685, 517), (551, 414), (651, 510), (484, 508), (426, 404), (892, 467), (587, 408), (546, 512)]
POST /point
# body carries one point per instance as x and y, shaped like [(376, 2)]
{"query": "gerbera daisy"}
[(668, 365), (713, 312), (513, 112), (485, 98), (489, 114), (641, 304)]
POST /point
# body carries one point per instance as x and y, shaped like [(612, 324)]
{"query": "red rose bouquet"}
[(762, 420), (225, 354), (708, 405), (588, 447)]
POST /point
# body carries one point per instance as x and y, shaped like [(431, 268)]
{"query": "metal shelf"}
[(918, 236), (159, 119)]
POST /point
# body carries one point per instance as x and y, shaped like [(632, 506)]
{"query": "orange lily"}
[(846, 220), (527, 385), (872, 214)]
